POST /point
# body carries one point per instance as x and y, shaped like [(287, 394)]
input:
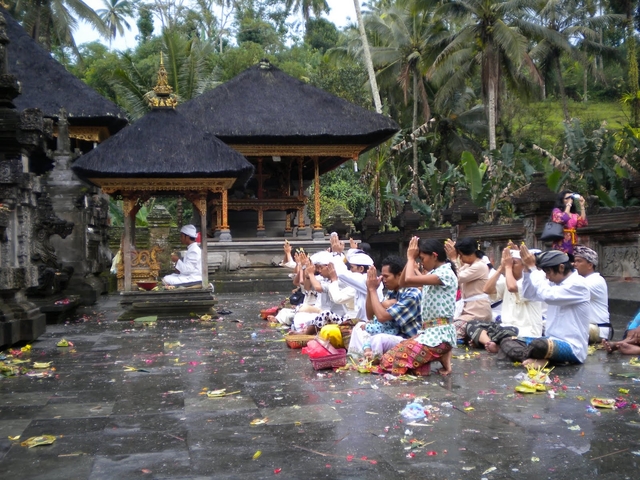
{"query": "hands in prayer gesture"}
[(528, 259), (337, 246), (450, 248), (373, 281), (413, 251), (507, 259)]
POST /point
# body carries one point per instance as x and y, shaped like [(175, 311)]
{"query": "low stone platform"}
[(59, 308), (167, 303), (110, 422)]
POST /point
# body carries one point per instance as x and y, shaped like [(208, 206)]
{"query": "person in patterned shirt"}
[(437, 337), (395, 318)]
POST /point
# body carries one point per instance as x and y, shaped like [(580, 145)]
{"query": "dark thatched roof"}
[(163, 144), (264, 105), (47, 85)]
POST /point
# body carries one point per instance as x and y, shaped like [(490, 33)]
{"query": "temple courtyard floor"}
[(128, 401)]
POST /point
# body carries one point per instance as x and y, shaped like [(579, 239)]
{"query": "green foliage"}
[(473, 175), (321, 34), (342, 186), (144, 24)]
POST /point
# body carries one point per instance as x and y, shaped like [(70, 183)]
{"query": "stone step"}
[(255, 280)]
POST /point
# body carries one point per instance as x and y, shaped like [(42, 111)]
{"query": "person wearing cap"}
[(472, 275), (586, 262), (189, 268), (356, 276), (394, 318), (567, 296), (337, 299), (520, 316)]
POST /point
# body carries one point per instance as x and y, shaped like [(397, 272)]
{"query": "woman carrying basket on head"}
[(566, 214)]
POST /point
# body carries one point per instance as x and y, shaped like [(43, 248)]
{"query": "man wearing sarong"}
[(395, 318), (567, 296)]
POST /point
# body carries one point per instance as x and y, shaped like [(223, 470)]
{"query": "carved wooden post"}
[(225, 234), (317, 225), (127, 208), (261, 229), (202, 207)]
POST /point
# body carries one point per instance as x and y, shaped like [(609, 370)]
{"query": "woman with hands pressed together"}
[(437, 337), (472, 275)]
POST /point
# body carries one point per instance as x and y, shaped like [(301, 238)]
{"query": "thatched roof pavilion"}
[(282, 125), (163, 153), (47, 85)]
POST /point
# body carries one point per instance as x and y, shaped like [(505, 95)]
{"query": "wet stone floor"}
[(111, 423)]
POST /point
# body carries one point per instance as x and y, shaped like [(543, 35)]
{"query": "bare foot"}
[(535, 362), (610, 347), (492, 347), (445, 360), (444, 372), (629, 349), (271, 318)]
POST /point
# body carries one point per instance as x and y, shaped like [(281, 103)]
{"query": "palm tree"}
[(569, 30), (366, 52), (409, 35), (490, 39), (52, 22), (115, 16), (306, 7)]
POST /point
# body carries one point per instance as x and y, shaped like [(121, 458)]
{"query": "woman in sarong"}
[(437, 337)]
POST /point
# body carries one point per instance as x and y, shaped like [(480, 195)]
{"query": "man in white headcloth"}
[(189, 268), (586, 262)]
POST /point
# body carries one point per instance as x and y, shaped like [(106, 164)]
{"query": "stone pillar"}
[(159, 221), (86, 248), (462, 213), (535, 203)]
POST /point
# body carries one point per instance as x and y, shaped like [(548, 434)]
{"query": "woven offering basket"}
[(330, 361), (298, 341)]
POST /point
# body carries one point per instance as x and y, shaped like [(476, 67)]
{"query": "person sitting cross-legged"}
[(188, 269), (630, 343), (586, 263), (519, 315), (395, 318), (567, 296)]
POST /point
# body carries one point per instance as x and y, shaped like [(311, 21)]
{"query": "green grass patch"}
[(542, 122)]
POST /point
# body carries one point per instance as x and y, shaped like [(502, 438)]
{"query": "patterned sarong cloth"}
[(412, 357), (495, 331)]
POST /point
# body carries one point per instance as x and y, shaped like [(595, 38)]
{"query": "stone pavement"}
[(117, 424)]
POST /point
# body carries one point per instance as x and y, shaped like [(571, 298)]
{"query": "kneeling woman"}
[(438, 335)]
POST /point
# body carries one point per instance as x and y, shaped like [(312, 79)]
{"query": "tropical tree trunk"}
[(563, 93), (492, 113), (414, 127), (585, 84), (375, 92)]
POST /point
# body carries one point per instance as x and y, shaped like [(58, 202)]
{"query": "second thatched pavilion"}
[(292, 133)]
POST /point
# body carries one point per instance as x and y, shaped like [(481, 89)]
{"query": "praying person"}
[(586, 262), (189, 268), (555, 282), (437, 336), (337, 299), (472, 275), (520, 316), (630, 343), (395, 318)]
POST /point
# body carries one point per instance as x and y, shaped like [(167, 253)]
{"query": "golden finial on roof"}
[(162, 96)]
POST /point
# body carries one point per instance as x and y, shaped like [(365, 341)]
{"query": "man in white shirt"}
[(337, 299), (520, 317), (188, 269), (586, 262), (556, 283)]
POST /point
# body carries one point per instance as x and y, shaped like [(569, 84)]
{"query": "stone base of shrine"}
[(244, 253), (167, 303), (20, 322)]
